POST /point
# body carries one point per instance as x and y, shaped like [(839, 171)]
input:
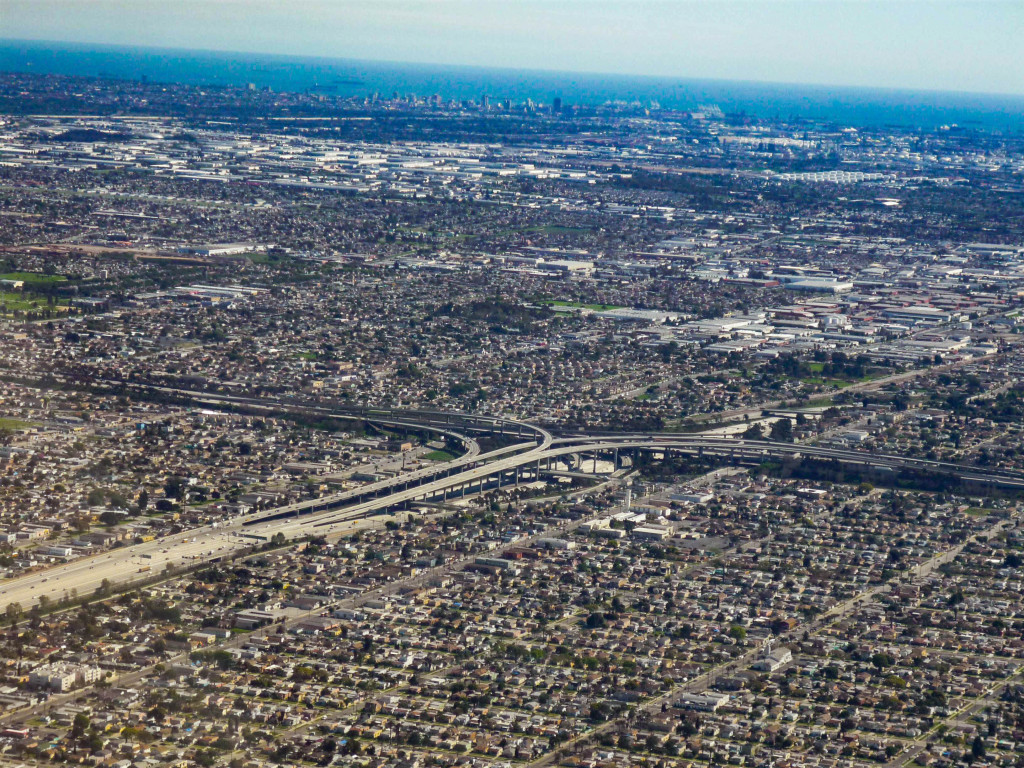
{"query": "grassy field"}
[(597, 307), (837, 383), (439, 456), (980, 512), (819, 402), (554, 229), (265, 258), (14, 425), (550, 229), (26, 302), (34, 278), (817, 368)]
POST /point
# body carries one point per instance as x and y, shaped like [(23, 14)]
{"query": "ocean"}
[(845, 106)]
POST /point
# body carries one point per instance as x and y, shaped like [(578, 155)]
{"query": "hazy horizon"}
[(946, 46), (326, 59)]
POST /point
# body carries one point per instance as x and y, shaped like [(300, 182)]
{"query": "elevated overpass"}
[(510, 466), (512, 469), (410, 418)]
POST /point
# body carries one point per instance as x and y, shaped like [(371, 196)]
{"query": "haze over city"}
[(949, 45)]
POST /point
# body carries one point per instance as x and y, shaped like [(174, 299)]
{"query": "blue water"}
[(860, 107)]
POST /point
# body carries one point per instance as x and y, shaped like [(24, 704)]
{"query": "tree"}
[(782, 431), (753, 432), (143, 500), (173, 487), (882, 660), (978, 748), (80, 725)]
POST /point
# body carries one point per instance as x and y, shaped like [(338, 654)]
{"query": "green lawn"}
[(554, 229), (14, 425), (439, 456), (580, 305), (13, 301), (979, 512), (551, 229), (260, 257), (819, 402), (837, 383), (34, 278)]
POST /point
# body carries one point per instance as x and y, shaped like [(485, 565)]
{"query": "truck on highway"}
[(144, 568)]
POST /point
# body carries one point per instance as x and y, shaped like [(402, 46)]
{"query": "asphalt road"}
[(123, 565)]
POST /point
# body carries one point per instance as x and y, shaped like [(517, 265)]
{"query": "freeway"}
[(730, 447), (85, 575), (141, 561), (414, 418), (336, 514), (688, 441), (380, 488)]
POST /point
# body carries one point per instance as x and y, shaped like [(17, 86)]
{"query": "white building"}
[(702, 702), (556, 543), (773, 660), (61, 676)]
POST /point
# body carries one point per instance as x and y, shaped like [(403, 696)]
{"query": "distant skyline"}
[(944, 45)]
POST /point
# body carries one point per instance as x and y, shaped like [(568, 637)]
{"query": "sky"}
[(948, 45)]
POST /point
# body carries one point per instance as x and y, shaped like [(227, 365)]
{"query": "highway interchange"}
[(522, 462)]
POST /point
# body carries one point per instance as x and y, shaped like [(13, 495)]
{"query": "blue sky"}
[(955, 45)]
